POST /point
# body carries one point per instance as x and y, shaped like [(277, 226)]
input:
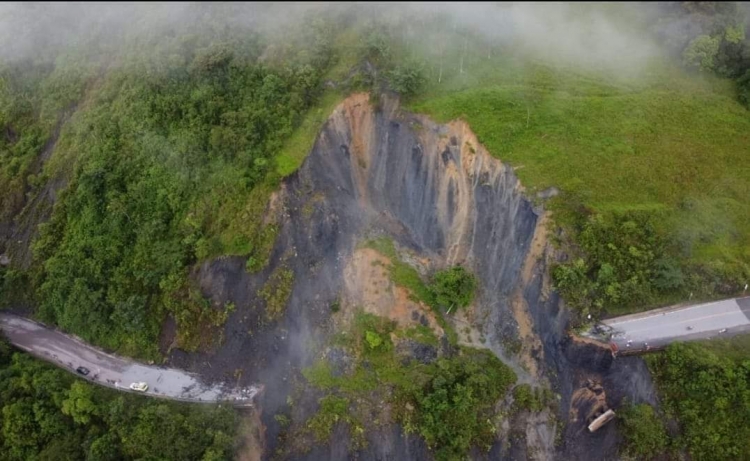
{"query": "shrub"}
[(453, 287), (276, 292), (622, 261), (701, 52), (373, 339), (527, 398), (407, 79), (709, 396), (645, 435), (456, 405)]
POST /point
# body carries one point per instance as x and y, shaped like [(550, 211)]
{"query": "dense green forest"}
[(168, 162), (47, 414)]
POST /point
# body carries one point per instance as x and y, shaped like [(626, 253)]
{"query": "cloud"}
[(585, 34)]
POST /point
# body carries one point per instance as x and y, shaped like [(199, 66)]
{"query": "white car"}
[(140, 387)]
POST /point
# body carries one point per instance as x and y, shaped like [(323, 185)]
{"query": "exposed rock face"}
[(434, 190)]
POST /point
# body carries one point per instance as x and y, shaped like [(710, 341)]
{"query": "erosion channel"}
[(442, 200)]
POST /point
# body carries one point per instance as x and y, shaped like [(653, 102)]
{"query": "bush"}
[(527, 398), (373, 339), (701, 52), (46, 413), (455, 408), (709, 395), (407, 79), (644, 432), (453, 288), (623, 261)]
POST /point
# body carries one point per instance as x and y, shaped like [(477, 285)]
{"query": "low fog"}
[(607, 36)]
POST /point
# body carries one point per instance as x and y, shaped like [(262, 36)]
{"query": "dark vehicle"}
[(82, 370)]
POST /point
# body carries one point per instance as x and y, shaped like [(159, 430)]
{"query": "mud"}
[(443, 199)]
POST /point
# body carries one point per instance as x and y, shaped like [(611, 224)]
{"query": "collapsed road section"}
[(658, 328), (115, 372)]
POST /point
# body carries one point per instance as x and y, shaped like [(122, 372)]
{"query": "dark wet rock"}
[(422, 353), (445, 348), (587, 356), (340, 361)]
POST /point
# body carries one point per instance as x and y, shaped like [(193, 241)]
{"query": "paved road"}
[(116, 372), (660, 327)]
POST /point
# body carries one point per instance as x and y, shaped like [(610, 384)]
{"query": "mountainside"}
[(392, 217)]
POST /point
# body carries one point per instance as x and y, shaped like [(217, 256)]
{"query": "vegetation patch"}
[(421, 334), (47, 413), (401, 273), (16, 287), (34, 98), (199, 323), (454, 410), (447, 289), (333, 410), (603, 140), (170, 161), (708, 394), (453, 288), (533, 399), (621, 262), (644, 432), (276, 292), (296, 148), (450, 402)]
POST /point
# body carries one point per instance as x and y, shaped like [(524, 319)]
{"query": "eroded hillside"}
[(383, 188)]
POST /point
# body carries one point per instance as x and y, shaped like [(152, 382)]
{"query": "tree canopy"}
[(49, 414)]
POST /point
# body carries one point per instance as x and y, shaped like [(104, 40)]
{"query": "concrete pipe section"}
[(657, 328), (116, 372)]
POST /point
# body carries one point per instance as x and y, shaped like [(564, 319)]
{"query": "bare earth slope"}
[(437, 193)]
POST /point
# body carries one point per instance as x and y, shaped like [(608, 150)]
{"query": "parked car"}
[(82, 371), (140, 387)]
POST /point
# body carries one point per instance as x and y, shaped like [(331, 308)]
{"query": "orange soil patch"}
[(368, 285)]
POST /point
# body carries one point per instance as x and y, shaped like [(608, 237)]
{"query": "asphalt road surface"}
[(116, 372), (660, 327)]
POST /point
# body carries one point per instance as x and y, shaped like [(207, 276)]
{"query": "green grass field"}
[(664, 141)]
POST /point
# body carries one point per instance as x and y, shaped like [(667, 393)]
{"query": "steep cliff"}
[(435, 191)]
